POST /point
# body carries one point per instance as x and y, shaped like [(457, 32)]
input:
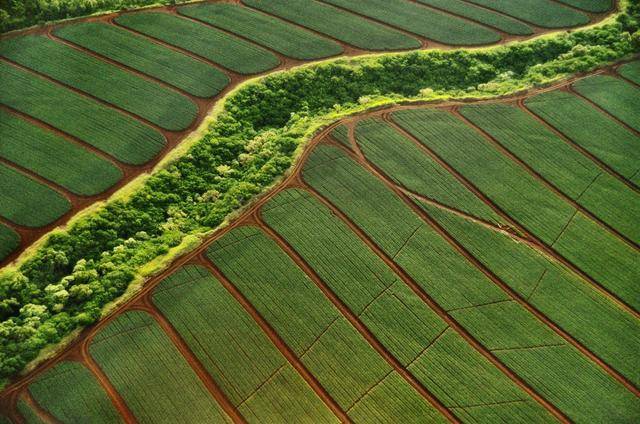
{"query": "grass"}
[(403, 161), (28, 202), (337, 23), (394, 314), (586, 126), (265, 30), (164, 107), (631, 71), (563, 166), (210, 43), (520, 195), (170, 66), (479, 14), (124, 138), (150, 374), (544, 13), (614, 95), (70, 393), (340, 358), (237, 354), (429, 23), (54, 158), (9, 241)]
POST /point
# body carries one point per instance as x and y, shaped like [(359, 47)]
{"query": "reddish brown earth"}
[(78, 350)]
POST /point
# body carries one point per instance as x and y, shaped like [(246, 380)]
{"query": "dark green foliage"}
[(246, 149)]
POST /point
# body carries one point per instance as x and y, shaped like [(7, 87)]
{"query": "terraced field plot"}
[(399, 276), (113, 94)]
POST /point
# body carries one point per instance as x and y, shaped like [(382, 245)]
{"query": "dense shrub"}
[(76, 272)]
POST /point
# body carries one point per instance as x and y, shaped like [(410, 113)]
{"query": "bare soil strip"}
[(355, 321)]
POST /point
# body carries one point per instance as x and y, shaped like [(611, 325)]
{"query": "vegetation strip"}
[(187, 216)]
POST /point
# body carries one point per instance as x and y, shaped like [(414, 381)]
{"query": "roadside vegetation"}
[(67, 281)]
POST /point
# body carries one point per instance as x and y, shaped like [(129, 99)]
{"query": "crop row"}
[(154, 379), (210, 43), (528, 272), (54, 158), (343, 362), (415, 18), (407, 327), (9, 241), (164, 107), (527, 200), (543, 359), (263, 29), (122, 137), (170, 66), (543, 13), (574, 174)]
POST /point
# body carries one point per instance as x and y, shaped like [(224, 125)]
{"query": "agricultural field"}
[(201, 225)]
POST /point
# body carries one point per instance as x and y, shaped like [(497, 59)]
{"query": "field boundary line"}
[(123, 66), (89, 96), (501, 148), (439, 310), (116, 398), (550, 251), (620, 122), (354, 320), (544, 319), (595, 159), (276, 340), (192, 360), (42, 413)]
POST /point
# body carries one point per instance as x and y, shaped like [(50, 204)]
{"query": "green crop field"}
[(527, 200), (161, 106), (601, 136), (265, 30), (631, 71), (148, 371), (563, 166), (27, 202), (337, 23), (319, 211), (420, 20), (124, 138), (54, 158), (262, 385), (179, 70), (9, 241), (482, 15), (207, 42), (501, 329), (70, 393), (613, 95), (544, 13)]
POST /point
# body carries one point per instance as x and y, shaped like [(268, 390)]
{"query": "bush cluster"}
[(66, 283)]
